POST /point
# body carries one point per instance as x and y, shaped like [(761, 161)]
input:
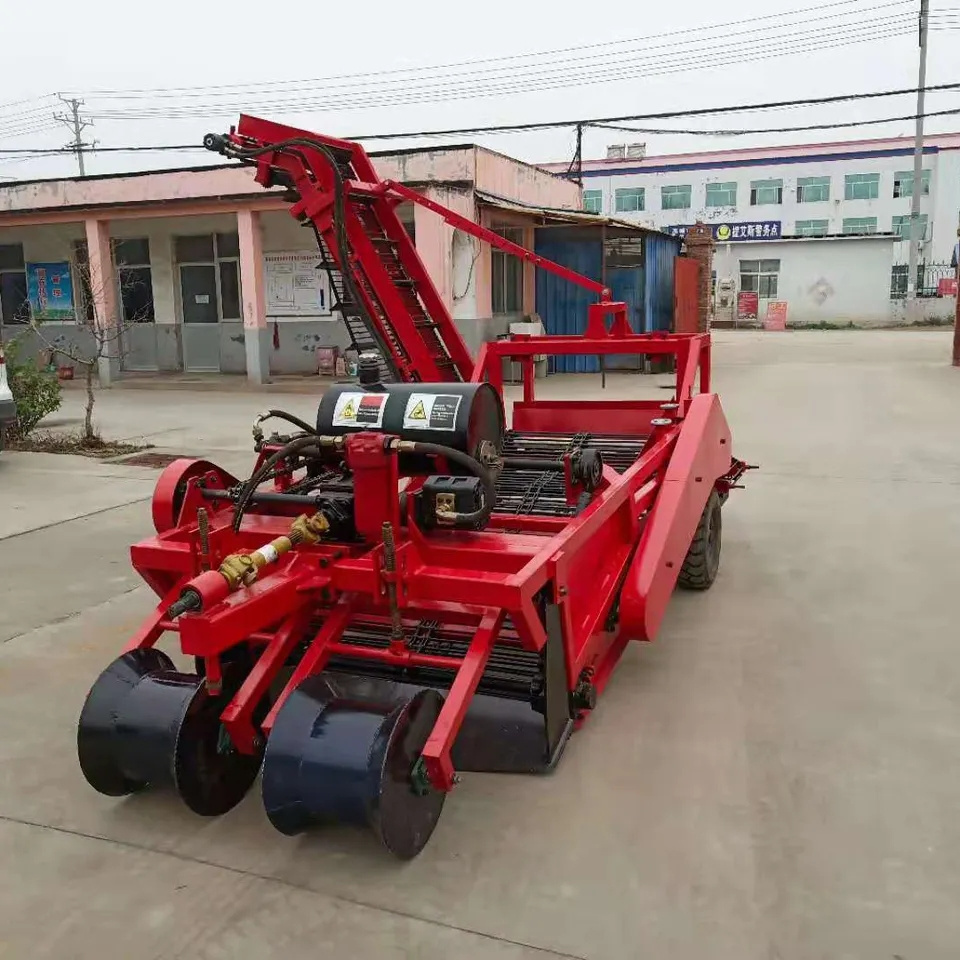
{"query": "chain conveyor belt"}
[(536, 493)]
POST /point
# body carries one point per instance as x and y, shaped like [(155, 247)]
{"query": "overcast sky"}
[(755, 51)]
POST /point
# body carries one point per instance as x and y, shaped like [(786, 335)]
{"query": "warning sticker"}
[(360, 410), (431, 411)]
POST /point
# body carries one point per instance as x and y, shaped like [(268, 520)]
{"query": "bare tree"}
[(106, 333)]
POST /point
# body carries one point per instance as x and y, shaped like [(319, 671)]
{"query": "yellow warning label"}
[(418, 413), (349, 412)]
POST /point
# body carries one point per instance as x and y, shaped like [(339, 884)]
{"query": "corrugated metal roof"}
[(556, 215)]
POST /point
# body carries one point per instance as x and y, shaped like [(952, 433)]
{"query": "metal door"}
[(563, 305), (201, 317), (626, 286)]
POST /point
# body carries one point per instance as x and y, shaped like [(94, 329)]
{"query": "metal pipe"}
[(295, 499), (531, 463)]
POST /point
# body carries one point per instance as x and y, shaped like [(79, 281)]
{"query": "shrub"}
[(35, 392)]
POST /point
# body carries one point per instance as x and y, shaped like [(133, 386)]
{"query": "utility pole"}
[(575, 170), (917, 167), (77, 124), (956, 319)]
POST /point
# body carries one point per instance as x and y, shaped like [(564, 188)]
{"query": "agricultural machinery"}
[(414, 584)]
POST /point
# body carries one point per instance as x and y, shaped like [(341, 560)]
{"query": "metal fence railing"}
[(929, 276)]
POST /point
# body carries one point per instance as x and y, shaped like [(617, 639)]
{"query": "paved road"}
[(775, 778)]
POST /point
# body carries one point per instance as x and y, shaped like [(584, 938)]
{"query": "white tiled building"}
[(756, 197), (862, 186)]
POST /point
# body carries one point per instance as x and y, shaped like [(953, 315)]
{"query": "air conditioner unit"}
[(636, 151), (616, 151)]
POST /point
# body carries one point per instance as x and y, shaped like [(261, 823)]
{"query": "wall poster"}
[(296, 286), (50, 291)]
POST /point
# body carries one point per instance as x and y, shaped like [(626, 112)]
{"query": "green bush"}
[(35, 392)]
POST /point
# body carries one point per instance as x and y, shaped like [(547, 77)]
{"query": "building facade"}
[(204, 271), (755, 198)]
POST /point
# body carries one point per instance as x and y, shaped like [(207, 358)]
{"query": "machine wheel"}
[(146, 724), (333, 758), (702, 561)]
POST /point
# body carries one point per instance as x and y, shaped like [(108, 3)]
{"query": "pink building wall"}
[(105, 207)]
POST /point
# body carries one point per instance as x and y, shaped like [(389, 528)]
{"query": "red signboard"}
[(947, 287), (748, 305), (776, 318)]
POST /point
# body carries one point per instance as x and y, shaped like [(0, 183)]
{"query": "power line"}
[(663, 115), (596, 122), (857, 8), (799, 129), (555, 78)]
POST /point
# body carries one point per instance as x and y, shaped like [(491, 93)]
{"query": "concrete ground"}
[(775, 779)]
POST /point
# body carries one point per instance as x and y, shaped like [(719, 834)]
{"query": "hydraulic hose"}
[(289, 417), (300, 445)]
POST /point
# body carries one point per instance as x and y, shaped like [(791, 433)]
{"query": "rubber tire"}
[(702, 562)]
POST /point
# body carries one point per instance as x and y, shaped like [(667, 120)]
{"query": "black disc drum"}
[(333, 758), (145, 723)]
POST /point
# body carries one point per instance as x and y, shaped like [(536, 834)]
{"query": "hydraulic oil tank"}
[(457, 415)]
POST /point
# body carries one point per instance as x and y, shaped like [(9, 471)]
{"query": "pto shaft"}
[(241, 569)]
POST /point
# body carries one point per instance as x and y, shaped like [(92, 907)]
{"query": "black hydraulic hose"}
[(300, 445), (289, 417), (471, 465)]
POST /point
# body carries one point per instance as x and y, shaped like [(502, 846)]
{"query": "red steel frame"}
[(610, 569)]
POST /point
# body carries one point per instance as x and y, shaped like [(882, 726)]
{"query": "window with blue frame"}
[(721, 194), (861, 186), (628, 199), (901, 227), (903, 183), (676, 197), (859, 225), (811, 228), (593, 201), (813, 189), (763, 192)]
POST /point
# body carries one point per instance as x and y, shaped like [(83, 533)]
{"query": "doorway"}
[(201, 320)]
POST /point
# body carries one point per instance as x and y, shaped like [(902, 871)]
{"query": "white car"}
[(8, 409)]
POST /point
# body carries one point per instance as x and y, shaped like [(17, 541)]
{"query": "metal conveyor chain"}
[(533, 493)]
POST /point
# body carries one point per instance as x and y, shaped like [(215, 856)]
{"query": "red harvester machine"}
[(407, 587)]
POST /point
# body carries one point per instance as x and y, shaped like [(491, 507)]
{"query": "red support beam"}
[(495, 240), (436, 751)]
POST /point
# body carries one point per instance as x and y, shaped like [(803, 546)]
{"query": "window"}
[(721, 194), (593, 201), (811, 228), (676, 197), (507, 275), (859, 225), (861, 186), (628, 199), (813, 189), (222, 251), (901, 226), (766, 191), (760, 277), (903, 183), (134, 279), (14, 303)]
